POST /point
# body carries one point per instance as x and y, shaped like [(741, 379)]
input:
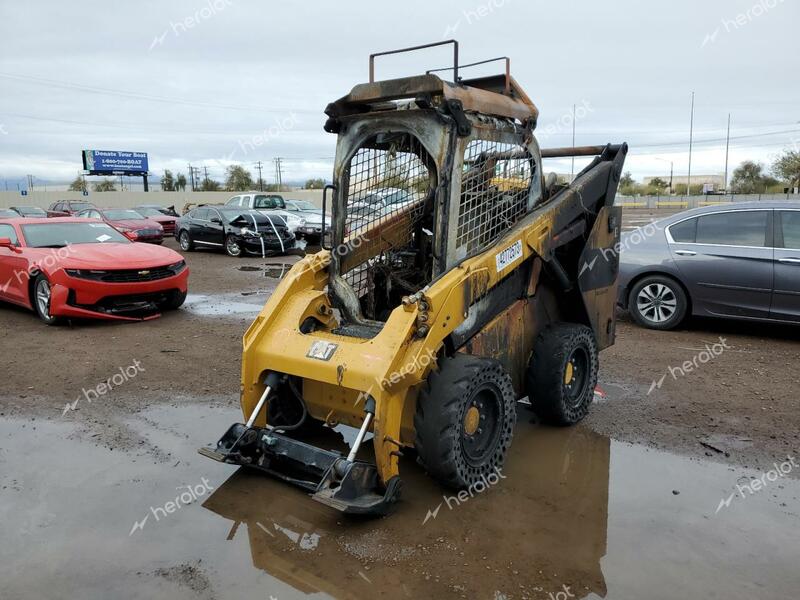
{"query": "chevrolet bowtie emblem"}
[(144, 272)]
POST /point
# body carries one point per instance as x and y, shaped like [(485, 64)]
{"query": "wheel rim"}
[(481, 425), (184, 241), (576, 376), (233, 247), (657, 302), (43, 298)]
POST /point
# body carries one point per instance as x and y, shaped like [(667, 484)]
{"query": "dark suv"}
[(235, 230)]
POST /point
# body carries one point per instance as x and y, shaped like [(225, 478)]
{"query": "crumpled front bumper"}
[(350, 487)]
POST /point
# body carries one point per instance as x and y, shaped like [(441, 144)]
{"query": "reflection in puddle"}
[(572, 509)]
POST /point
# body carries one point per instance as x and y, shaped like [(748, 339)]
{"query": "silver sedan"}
[(740, 261)]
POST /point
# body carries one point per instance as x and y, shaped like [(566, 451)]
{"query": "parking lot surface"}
[(651, 497)]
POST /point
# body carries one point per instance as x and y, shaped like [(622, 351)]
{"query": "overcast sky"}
[(203, 81)]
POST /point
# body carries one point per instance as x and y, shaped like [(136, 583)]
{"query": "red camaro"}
[(71, 267)]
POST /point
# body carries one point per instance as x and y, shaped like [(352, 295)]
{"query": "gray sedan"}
[(740, 261)]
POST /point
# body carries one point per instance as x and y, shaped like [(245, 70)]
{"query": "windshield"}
[(31, 211), (121, 215), (149, 212), (58, 235), (81, 205), (268, 202), (246, 217), (304, 205)]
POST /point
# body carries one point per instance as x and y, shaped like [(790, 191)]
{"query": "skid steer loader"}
[(459, 279)]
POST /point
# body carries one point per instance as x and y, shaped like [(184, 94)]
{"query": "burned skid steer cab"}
[(459, 279)]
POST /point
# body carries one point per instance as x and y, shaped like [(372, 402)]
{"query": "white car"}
[(313, 216), (268, 204)]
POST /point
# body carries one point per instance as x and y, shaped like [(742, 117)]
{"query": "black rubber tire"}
[(552, 399), (46, 317), (188, 245), (674, 288), (175, 302), (229, 252), (439, 422)]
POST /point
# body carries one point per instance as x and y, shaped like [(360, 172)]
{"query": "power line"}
[(140, 96)]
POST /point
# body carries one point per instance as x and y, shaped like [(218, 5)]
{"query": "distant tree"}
[(314, 184), (749, 178), (658, 183), (238, 179), (787, 167), (168, 181), (209, 185), (107, 185), (627, 180), (680, 189), (180, 183), (78, 184)]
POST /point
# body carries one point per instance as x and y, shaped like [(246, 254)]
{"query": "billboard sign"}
[(114, 162)]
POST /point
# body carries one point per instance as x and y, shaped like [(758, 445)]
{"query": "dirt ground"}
[(740, 407), (726, 420)]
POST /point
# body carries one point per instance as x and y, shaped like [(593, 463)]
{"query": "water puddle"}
[(224, 305), (571, 508), (270, 270)]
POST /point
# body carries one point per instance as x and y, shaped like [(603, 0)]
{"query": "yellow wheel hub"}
[(569, 374), (471, 420)]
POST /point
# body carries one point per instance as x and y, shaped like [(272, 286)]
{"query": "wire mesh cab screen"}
[(495, 192), (388, 180)]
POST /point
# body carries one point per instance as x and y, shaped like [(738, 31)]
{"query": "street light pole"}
[(691, 133), (727, 148)]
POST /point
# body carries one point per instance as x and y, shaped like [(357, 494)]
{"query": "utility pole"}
[(258, 166), (278, 173), (572, 169), (691, 133), (205, 181), (727, 148), (191, 176)]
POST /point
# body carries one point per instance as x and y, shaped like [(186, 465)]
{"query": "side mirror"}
[(216, 220), (7, 243)]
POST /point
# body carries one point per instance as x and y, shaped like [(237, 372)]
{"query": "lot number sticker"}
[(509, 256)]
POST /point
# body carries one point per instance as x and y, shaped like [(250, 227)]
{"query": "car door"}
[(215, 231), (786, 295), (726, 261), (57, 210), (197, 226), (14, 274)]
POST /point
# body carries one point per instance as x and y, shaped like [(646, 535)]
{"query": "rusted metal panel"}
[(599, 272), (506, 339)]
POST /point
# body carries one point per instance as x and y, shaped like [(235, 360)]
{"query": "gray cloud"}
[(195, 80)]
